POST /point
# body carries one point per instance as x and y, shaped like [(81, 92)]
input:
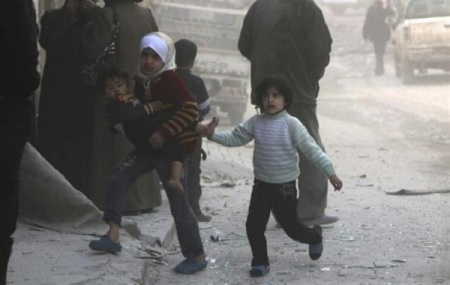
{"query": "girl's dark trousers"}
[(126, 172), (282, 200)]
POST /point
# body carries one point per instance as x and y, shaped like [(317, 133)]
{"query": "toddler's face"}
[(150, 62), (273, 101), (115, 87)]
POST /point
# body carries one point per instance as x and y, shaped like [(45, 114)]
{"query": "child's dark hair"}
[(111, 72), (273, 81), (185, 52)]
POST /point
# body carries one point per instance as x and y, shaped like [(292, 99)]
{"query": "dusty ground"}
[(382, 137)]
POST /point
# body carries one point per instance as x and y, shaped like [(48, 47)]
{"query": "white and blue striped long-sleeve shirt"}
[(277, 139)]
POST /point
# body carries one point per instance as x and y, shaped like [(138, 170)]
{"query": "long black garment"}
[(18, 79), (66, 104)]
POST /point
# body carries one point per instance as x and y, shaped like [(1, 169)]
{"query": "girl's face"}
[(150, 62), (273, 101), (115, 87)]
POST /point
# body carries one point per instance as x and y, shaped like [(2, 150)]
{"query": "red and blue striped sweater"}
[(170, 89)]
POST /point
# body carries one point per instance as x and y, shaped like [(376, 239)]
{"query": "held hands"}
[(209, 129), (336, 182), (156, 140)]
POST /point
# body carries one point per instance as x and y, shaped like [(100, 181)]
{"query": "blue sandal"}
[(190, 266), (259, 270), (105, 244)]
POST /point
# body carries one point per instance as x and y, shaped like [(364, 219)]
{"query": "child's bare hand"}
[(208, 129), (336, 182), (156, 140), (211, 127)]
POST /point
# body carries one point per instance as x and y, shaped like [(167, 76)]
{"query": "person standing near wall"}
[(135, 21), (291, 38), (19, 78)]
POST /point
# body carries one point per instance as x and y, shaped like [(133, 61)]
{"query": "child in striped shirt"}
[(278, 138)]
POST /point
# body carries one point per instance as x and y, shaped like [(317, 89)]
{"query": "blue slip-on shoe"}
[(259, 270), (105, 244), (190, 266), (315, 250)]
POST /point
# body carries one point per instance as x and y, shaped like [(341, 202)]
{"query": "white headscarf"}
[(163, 45)]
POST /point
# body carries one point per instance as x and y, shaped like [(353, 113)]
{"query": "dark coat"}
[(376, 27), (135, 22), (288, 37), (108, 149), (18, 50), (65, 104)]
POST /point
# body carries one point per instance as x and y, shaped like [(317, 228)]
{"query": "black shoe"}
[(315, 250), (190, 266)]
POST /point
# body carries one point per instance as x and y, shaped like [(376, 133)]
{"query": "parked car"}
[(422, 38)]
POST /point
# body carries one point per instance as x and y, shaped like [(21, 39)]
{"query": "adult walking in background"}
[(186, 52), (291, 38), (18, 80), (66, 104), (135, 21), (377, 29)]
